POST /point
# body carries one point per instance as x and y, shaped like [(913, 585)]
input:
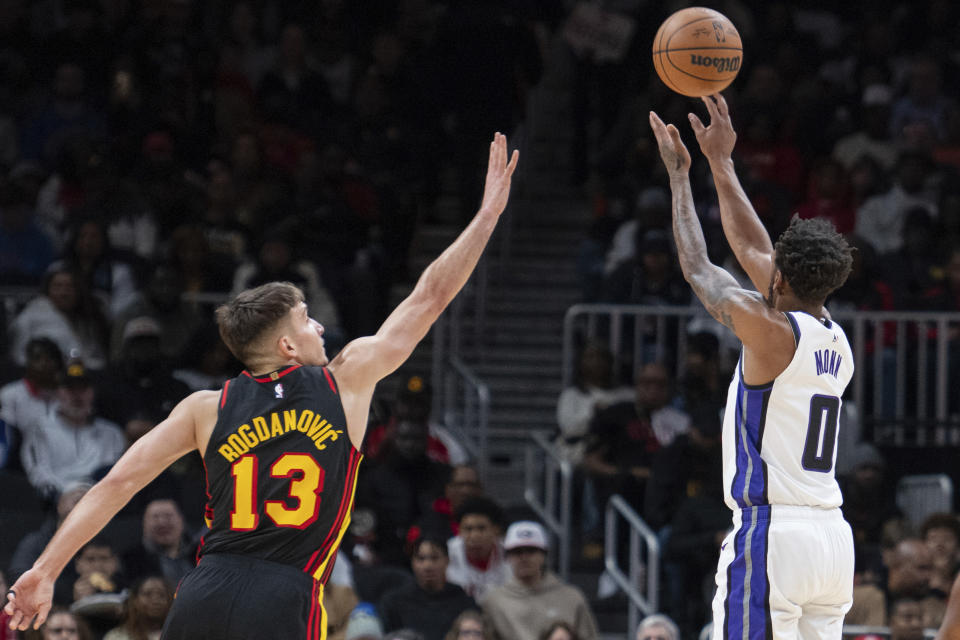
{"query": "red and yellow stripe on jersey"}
[(321, 562)]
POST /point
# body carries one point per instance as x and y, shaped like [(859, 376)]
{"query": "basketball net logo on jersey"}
[(278, 390)]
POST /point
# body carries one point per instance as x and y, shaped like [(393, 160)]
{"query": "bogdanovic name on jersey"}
[(263, 428)]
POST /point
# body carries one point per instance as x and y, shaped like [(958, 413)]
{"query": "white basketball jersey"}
[(779, 439)]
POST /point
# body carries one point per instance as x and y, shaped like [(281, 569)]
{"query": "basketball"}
[(697, 51)]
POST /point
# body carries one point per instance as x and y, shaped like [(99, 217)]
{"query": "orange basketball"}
[(697, 51)]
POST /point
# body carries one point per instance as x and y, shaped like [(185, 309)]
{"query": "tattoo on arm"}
[(710, 289), (709, 282)]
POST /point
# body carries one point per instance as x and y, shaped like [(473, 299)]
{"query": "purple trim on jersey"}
[(794, 326), (749, 485), (747, 606)]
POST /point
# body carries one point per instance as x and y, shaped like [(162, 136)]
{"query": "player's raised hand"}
[(31, 596), (674, 153), (718, 139), (496, 191)]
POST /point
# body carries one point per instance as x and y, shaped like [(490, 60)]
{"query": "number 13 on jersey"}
[(306, 483)]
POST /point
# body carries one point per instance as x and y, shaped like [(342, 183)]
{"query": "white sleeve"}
[(124, 289), (623, 246), (574, 411), (35, 454)]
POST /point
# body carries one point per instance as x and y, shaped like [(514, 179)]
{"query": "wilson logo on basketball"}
[(722, 65)]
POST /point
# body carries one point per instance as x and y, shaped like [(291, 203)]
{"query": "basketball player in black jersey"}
[(281, 447)]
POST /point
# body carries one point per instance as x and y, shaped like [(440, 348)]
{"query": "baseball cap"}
[(139, 327), (525, 533), (363, 623), (75, 374)]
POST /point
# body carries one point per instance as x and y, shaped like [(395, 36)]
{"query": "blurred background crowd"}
[(158, 155)]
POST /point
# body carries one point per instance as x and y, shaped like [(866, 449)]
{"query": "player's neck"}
[(258, 368), (791, 303)]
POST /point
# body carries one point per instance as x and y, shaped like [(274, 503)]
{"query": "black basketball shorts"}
[(231, 597)]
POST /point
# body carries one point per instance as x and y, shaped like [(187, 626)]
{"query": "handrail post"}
[(540, 493), (646, 603)]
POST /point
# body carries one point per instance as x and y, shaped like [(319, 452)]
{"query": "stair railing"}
[(547, 474), (642, 537), (467, 411)]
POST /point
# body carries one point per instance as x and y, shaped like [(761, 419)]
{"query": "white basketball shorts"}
[(784, 572)]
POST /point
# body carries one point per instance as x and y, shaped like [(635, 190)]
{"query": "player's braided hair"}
[(813, 258)]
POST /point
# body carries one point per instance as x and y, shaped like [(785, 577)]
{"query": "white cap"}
[(140, 327), (525, 533)]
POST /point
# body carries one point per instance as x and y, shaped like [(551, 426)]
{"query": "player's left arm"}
[(744, 312), (176, 436), (365, 361)]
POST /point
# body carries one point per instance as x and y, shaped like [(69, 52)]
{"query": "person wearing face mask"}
[(140, 381)]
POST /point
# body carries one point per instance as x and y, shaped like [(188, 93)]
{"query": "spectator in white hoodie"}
[(71, 443)]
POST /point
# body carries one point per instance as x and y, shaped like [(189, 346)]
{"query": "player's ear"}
[(286, 346), (779, 284)]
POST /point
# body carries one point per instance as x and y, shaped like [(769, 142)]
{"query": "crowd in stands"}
[(159, 155)]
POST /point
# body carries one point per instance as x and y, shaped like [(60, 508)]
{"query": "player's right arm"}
[(365, 361), (747, 236), (188, 423), (766, 333)]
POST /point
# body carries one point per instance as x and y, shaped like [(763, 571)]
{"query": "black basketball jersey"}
[(281, 470)]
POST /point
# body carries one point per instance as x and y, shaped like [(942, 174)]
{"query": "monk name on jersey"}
[(827, 361), (263, 428)]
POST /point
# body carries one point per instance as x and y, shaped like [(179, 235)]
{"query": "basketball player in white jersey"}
[(786, 569)]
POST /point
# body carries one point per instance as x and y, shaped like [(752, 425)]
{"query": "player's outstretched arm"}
[(32, 595), (950, 628), (746, 234), (365, 361), (743, 312)]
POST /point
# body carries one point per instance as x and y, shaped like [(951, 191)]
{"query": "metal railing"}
[(466, 410), (462, 402), (638, 601), (547, 488), (906, 362)]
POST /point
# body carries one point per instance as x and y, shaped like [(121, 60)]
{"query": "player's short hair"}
[(813, 258), (941, 521), (252, 313), (480, 506)]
